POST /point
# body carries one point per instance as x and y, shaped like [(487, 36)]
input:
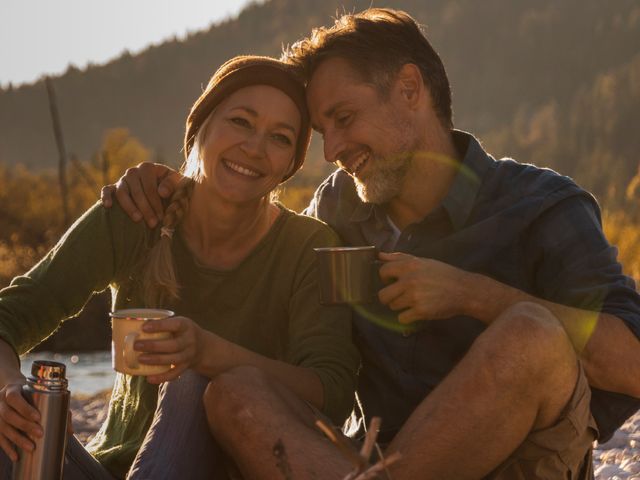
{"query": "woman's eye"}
[(242, 122), (282, 139)]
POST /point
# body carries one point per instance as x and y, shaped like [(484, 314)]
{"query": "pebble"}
[(617, 459)]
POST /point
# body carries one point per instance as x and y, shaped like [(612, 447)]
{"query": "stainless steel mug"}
[(347, 275), (46, 390)]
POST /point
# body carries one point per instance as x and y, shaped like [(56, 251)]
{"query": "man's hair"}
[(377, 43)]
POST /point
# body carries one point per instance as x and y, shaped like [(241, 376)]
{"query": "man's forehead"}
[(333, 81), (335, 70)]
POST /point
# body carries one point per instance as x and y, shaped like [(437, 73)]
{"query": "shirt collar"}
[(465, 187), (362, 212), (461, 197)]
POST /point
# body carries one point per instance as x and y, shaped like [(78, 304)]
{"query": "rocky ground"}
[(618, 459), (88, 413)]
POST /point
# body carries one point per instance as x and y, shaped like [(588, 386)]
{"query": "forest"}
[(552, 83)]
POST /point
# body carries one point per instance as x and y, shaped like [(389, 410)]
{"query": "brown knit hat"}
[(244, 71)]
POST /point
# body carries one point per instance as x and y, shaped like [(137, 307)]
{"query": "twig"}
[(380, 455), (345, 447), (370, 438), (363, 470), (374, 470)]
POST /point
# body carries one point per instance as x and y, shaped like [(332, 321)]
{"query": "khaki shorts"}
[(562, 451)]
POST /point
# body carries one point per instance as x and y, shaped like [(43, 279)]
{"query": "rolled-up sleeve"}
[(576, 265)]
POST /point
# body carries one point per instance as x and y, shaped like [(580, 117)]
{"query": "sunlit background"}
[(44, 37), (551, 83)]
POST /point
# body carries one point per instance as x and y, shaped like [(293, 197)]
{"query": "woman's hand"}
[(183, 350), (18, 421)]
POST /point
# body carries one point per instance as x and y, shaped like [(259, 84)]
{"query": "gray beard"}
[(384, 182)]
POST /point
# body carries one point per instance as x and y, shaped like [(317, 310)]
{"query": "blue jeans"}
[(178, 444)]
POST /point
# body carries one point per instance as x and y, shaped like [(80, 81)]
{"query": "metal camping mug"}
[(347, 275), (46, 390)]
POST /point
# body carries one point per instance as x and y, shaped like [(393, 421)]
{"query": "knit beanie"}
[(244, 71)]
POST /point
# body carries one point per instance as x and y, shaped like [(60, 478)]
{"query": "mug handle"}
[(130, 355)]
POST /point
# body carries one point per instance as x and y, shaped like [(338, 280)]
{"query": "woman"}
[(238, 268)]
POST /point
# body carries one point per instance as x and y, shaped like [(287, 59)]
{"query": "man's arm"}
[(609, 350), (140, 191), (429, 289)]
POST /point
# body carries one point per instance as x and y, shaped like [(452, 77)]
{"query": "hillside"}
[(557, 83)]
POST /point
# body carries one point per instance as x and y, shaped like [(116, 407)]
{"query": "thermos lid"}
[(47, 370)]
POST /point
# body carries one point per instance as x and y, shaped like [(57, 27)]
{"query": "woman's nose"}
[(254, 145)]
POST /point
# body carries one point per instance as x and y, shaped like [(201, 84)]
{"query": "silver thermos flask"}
[(46, 389)]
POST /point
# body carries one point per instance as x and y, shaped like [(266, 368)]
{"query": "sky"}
[(40, 37)]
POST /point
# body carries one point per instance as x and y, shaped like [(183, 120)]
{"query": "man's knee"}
[(528, 340)]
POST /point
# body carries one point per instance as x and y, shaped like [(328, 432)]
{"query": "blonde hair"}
[(160, 285)]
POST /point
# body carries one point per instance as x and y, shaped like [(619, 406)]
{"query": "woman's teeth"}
[(240, 169)]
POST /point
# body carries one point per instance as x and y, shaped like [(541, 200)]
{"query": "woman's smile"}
[(240, 169)]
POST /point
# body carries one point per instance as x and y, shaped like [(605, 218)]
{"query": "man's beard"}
[(384, 179)]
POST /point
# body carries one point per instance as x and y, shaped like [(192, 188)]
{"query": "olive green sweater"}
[(268, 304)]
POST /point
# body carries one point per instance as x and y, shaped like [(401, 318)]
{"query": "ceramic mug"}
[(126, 328)]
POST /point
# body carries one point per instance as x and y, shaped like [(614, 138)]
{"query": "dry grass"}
[(623, 230)]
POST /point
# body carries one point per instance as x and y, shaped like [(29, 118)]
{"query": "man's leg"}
[(178, 443), (563, 450), (517, 377), (268, 430)]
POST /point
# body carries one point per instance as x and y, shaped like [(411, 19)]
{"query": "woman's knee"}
[(230, 395)]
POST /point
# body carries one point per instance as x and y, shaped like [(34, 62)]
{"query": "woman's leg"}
[(78, 464), (178, 443)]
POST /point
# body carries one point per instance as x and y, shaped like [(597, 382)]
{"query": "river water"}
[(88, 372)]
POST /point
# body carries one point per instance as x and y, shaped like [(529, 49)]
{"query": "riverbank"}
[(88, 412), (618, 459)]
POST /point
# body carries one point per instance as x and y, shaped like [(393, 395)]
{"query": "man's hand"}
[(140, 191), (422, 288), (18, 421)]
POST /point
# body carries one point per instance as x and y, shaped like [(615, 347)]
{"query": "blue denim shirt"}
[(524, 226)]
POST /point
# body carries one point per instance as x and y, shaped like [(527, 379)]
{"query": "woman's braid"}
[(160, 285)]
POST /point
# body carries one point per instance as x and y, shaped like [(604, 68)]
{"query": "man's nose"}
[(333, 146)]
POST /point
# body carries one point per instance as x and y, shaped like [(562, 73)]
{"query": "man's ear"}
[(409, 84)]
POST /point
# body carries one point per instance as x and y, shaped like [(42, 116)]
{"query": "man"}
[(520, 335)]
